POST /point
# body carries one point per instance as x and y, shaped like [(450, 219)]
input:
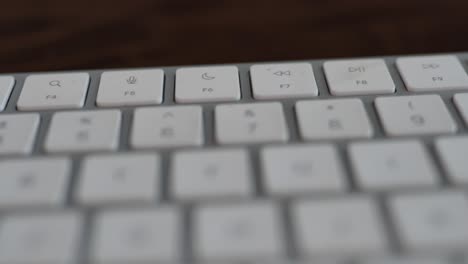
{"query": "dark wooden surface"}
[(60, 34)]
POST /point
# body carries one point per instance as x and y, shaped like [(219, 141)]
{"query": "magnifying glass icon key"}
[(55, 83)]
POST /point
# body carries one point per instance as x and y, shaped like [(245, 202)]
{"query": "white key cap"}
[(338, 228), (333, 119), (250, 123), (285, 80), (123, 178), (432, 73), (436, 221), (40, 239), (356, 77), (34, 182), (54, 91), (135, 87), (302, 169), (207, 84), (167, 127), (18, 133), (461, 102), (453, 152), (211, 173), (137, 236), (414, 115), (238, 232), (6, 85), (84, 131), (389, 165)]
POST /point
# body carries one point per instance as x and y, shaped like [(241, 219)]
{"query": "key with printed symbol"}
[(414, 115), (53, 91), (250, 123), (37, 239), (137, 236), (392, 165), (6, 86), (83, 131), (333, 119), (432, 73), (290, 170), (173, 126), (276, 81), (34, 182), (431, 221), (357, 77), (211, 173), (136, 87), (124, 178), (207, 84), (18, 133)]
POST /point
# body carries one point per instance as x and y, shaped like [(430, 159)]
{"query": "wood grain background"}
[(60, 35)]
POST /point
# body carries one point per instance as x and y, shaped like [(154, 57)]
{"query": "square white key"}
[(211, 173), (119, 178), (333, 119), (238, 232), (432, 73), (172, 126), (414, 115), (34, 182), (207, 84), (461, 102), (391, 165), (431, 221), (453, 152), (296, 169), (151, 235), (53, 91), (285, 80), (38, 239), (250, 123), (338, 228), (134, 87), (84, 131), (358, 77), (18, 133), (6, 85)]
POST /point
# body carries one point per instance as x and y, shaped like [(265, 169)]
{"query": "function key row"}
[(222, 83), (263, 122)]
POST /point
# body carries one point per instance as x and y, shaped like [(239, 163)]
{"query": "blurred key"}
[(18, 133), (6, 85)]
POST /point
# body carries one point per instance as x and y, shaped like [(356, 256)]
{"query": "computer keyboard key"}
[(333, 119), (407, 260), (34, 182), (215, 173), (432, 73), (238, 232), (358, 77), (54, 91), (84, 131), (119, 178), (137, 236), (293, 169), (414, 115), (250, 123), (207, 84), (284, 80), (461, 102), (6, 85), (453, 152), (18, 133), (431, 222), (173, 126), (338, 227), (134, 87), (392, 165), (39, 239)]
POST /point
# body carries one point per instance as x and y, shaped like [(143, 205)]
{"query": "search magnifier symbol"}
[(55, 83)]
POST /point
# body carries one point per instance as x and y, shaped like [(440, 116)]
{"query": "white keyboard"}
[(361, 161)]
